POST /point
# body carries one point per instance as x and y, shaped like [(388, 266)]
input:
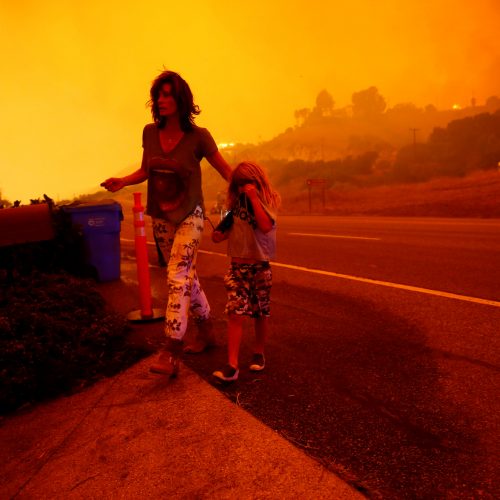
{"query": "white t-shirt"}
[(246, 240)]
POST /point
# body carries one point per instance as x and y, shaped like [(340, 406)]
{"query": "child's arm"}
[(264, 221), (221, 231)]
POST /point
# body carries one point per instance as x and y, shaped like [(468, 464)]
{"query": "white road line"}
[(388, 284), (408, 288), (335, 236), (393, 285)]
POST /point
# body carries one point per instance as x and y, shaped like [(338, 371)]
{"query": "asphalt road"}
[(383, 361)]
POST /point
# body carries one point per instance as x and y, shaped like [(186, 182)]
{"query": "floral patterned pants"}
[(179, 245)]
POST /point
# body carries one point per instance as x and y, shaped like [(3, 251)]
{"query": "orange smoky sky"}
[(75, 75)]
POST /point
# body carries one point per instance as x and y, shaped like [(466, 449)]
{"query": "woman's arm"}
[(116, 183), (220, 164), (264, 221)]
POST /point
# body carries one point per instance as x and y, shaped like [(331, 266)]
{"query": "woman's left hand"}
[(218, 236)]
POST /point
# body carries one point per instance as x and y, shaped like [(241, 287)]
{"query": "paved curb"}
[(139, 435)]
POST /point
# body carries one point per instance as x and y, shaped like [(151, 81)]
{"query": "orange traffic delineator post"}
[(146, 312)]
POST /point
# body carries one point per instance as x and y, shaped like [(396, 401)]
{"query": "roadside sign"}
[(315, 182)]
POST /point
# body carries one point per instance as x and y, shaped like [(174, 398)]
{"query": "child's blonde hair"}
[(251, 172)]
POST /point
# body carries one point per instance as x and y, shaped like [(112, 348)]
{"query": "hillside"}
[(324, 133), (454, 174), (477, 195)]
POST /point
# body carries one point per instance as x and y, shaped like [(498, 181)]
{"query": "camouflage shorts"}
[(248, 289)]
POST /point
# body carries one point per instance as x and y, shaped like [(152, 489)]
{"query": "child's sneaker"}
[(227, 374), (258, 362)]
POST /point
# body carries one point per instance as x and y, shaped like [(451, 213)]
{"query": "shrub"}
[(56, 335)]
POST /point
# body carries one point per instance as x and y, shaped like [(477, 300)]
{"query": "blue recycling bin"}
[(100, 223)]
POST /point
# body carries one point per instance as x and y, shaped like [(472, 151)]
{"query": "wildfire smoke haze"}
[(76, 76)]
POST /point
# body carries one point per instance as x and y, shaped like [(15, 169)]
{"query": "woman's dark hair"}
[(183, 97)]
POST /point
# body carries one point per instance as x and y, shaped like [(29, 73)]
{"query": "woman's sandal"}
[(169, 359)]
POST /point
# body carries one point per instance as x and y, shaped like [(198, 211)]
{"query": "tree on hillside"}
[(465, 145), (361, 164), (360, 143), (301, 115), (471, 143), (324, 103), (368, 103), (4, 203), (493, 103), (404, 108), (322, 109), (414, 163)]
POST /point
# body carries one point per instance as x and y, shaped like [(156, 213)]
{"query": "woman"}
[(173, 147)]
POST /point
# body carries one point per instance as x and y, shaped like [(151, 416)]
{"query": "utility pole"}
[(414, 130)]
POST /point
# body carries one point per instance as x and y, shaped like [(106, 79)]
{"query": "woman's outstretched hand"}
[(113, 184)]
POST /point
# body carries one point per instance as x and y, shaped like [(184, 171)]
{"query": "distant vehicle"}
[(219, 205), (216, 209)]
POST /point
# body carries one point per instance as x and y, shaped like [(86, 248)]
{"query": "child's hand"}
[(249, 189), (218, 236)]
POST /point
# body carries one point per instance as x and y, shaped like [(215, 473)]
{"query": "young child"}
[(250, 228)]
